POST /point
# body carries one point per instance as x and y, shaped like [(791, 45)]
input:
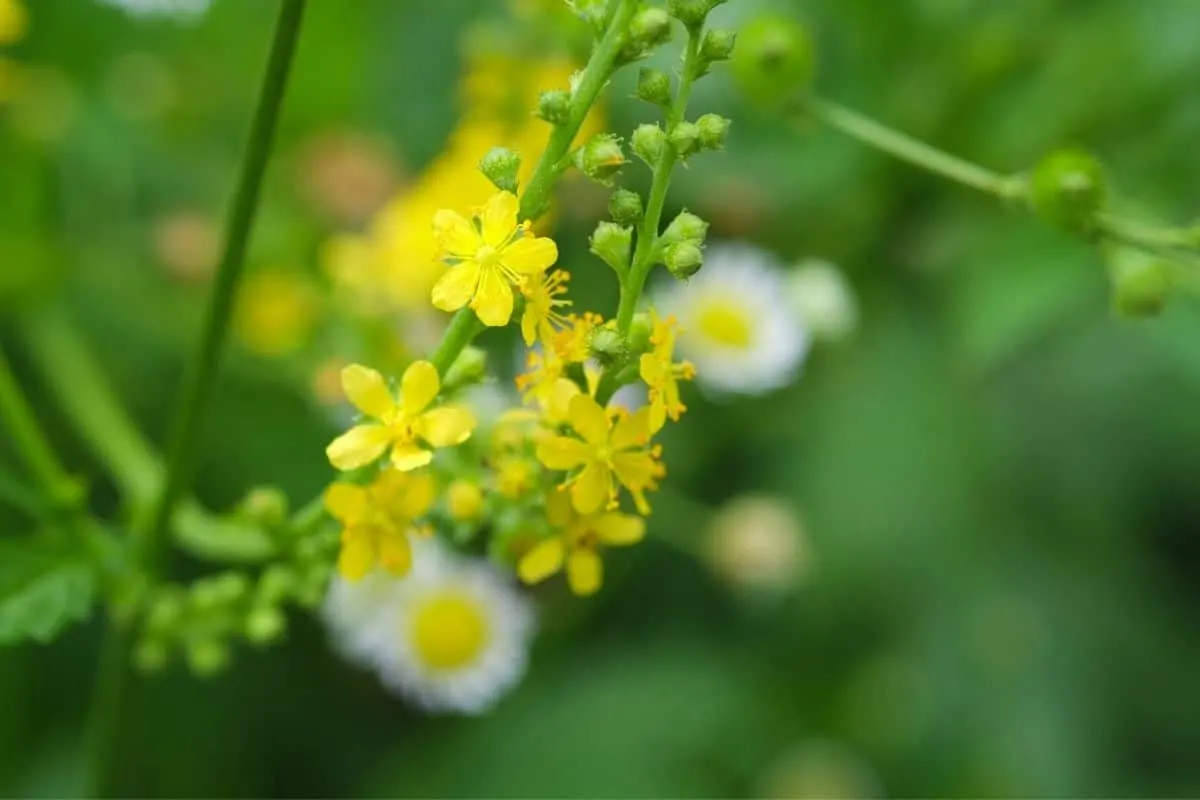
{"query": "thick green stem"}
[(464, 327), (906, 148), (104, 712), (58, 487), (647, 235), (200, 383)]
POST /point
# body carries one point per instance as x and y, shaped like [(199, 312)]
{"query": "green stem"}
[(200, 384), (104, 712), (906, 148), (1138, 234), (535, 200), (58, 487), (647, 236)]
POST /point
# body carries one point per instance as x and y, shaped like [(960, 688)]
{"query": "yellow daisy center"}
[(449, 631), (726, 322)]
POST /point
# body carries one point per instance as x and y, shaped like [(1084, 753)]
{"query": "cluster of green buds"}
[(199, 622)]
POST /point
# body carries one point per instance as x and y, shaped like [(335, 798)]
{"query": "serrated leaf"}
[(220, 539), (44, 586)]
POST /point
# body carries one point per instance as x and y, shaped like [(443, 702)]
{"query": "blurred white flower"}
[(823, 298), (179, 9), (451, 636), (758, 543), (736, 324)]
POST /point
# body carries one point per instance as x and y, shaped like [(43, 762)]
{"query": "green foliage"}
[(45, 585)]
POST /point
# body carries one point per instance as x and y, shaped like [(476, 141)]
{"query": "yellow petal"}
[(357, 555), (530, 255), (367, 391), (545, 559), (408, 457), (632, 430), (493, 301), (346, 502), (498, 219), (636, 470), (454, 234), (456, 287), (559, 400), (418, 386), (558, 509), (592, 489), (358, 446), (585, 572), (418, 496), (588, 419), (446, 426), (619, 529), (529, 324), (395, 552), (562, 452), (651, 369), (658, 412)]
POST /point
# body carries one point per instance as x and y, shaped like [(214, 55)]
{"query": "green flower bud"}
[(150, 655), (713, 128), (265, 624), (683, 259), (554, 106), (649, 28), (648, 141), (1141, 283), (654, 86), (310, 549), (717, 45), (207, 657), (165, 612), (229, 587), (265, 506), (611, 243), (608, 346), (685, 137), (470, 367), (1067, 188), (686, 227), (691, 13), (500, 166), (639, 332), (774, 59), (625, 207), (601, 158), (590, 11), (276, 584)]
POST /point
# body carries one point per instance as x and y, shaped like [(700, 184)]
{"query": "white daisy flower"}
[(451, 636), (823, 298), (178, 9), (736, 324)]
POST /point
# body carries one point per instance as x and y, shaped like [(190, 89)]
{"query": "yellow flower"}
[(608, 454), (491, 258), (14, 21), (567, 346), (662, 374), (276, 312), (409, 427), (577, 544), (464, 501), (376, 520), (541, 318)]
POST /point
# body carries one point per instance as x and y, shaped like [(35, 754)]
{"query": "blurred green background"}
[(995, 475)]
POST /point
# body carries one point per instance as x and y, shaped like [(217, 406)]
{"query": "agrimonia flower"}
[(377, 520), (408, 426), (662, 374), (490, 254)]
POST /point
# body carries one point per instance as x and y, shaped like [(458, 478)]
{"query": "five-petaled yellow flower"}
[(493, 252), (662, 374), (377, 519), (577, 544), (541, 318), (607, 454), (409, 427)]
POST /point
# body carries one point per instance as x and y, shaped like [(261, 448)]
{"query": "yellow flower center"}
[(449, 631), (724, 321), (487, 256)]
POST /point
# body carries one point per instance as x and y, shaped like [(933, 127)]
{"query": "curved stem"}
[(199, 386), (647, 235), (906, 148), (58, 487)]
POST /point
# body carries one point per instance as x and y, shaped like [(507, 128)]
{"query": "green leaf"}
[(44, 586)]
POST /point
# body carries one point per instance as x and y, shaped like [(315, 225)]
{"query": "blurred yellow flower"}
[(276, 311), (662, 374), (492, 253), (606, 454), (541, 318), (577, 544), (377, 519), (464, 500), (14, 21), (408, 427)]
